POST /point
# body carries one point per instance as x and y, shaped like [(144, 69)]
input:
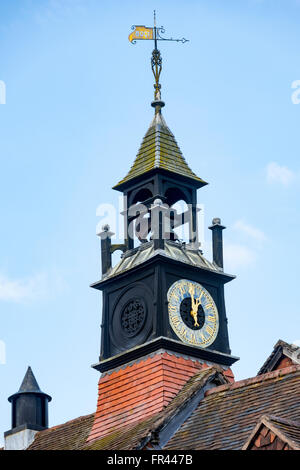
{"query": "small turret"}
[(29, 413), (217, 241)]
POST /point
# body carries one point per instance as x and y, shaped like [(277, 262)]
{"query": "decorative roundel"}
[(193, 314), (133, 317)]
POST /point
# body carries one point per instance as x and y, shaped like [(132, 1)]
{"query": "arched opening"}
[(180, 213), (139, 217), (142, 195), (174, 195)]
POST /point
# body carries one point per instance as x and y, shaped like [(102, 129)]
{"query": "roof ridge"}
[(176, 406), (274, 424), (254, 380), (279, 419)]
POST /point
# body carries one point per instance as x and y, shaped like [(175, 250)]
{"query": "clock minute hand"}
[(195, 305), (191, 292)]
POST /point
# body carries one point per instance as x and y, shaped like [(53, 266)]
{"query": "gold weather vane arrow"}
[(149, 33)]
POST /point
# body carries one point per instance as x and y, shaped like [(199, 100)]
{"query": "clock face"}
[(193, 314)]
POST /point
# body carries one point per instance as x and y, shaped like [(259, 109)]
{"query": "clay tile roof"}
[(224, 418), (227, 415), (133, 393), (71, 435), (136, 436), (159, 149), (288, 431)]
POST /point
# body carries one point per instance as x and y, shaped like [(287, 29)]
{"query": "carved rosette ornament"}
[(133, 317)]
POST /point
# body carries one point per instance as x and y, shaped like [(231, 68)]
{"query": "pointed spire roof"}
[(159, 150), (29, 383)]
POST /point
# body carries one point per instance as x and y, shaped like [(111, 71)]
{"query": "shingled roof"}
[(202, 415), (224, 418), (134, 392), (145, 433), (159, 149), (227, 415), (71, 435)]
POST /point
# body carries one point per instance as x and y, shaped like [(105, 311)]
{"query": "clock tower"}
[(163, 309), (163, 293)]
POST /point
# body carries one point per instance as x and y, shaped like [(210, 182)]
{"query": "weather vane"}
[(154, 34)]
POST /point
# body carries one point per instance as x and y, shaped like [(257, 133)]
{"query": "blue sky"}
[(77, 106)]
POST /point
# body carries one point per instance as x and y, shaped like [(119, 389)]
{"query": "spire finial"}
[(156, 65), (148, 33)]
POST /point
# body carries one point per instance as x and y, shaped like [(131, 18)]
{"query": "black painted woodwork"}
[(169, 188), (217, 241), (148, 198), (150, 281), (165, 344), (29, 405)]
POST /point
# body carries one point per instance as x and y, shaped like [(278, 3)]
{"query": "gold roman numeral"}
[(209, 330)]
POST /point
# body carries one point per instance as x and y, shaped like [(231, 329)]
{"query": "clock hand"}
[(195, 305), (194, 314), (195, 311)]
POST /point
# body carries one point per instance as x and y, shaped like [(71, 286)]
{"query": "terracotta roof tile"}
[(138, 391), (132, 436), (270, 427), (227, 416), (224, 419)]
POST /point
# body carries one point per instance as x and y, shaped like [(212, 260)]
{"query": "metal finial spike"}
[(156, 65)]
